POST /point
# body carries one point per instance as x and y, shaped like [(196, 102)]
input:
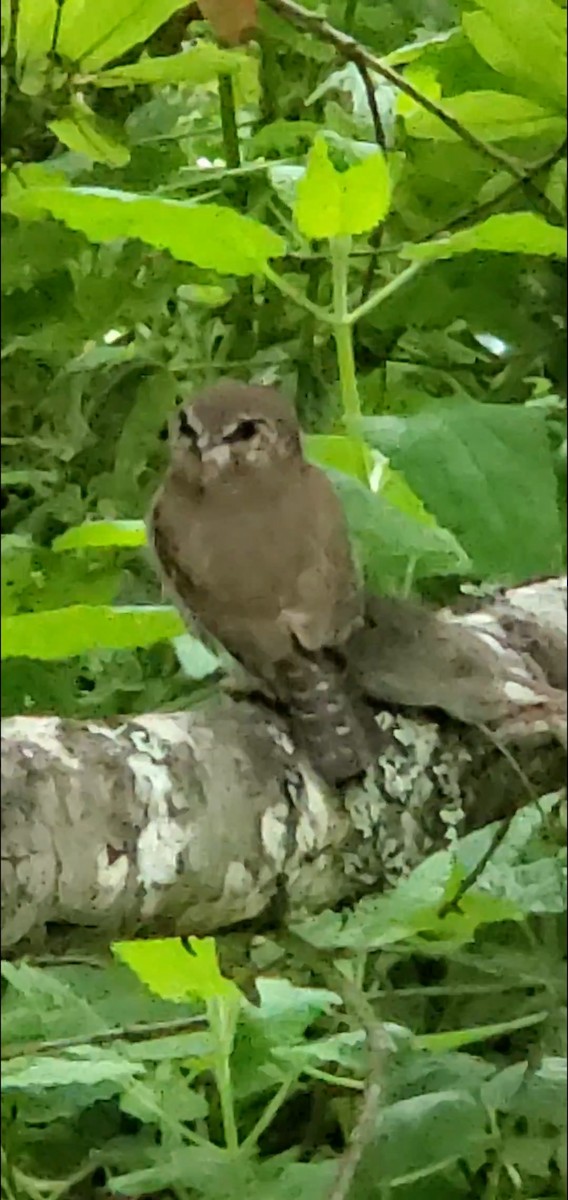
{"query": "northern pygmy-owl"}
[(253, 547)]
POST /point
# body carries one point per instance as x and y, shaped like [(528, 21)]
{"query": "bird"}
[(252, 545)]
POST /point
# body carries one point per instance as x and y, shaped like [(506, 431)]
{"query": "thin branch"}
[(352, 51), (359, 1007), (500, 834), (289, 290)]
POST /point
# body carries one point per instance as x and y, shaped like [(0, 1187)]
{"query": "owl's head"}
[(233, 427)]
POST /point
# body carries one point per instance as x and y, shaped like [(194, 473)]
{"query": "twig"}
[(352, 51), (229, 122), (500, 834), (376, 236), (358, 1006)]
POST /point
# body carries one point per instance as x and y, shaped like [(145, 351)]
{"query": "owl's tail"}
[(326, 720)]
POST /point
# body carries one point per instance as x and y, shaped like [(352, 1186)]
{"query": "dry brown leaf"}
[(232, 20)]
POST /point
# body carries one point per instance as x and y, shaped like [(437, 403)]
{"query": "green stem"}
[(340, 248), (385, 292), (289, 290), (221, 1016), (268, 1115)]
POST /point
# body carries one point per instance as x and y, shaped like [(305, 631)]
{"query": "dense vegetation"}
[(179, 204)]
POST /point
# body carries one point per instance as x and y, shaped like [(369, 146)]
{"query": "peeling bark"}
[(190, 822)]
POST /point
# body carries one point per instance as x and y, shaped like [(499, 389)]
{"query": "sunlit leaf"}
[(207, 235), (200, 63), (63, 632), (503, 233), (175, 971), (331, 203), (494, 116), (111, 534), (91, 34)]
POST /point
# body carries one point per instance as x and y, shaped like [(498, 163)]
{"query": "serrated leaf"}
[(425, 1133), (503, 233), (199, 64), (64, 632), (485, 471), (494, 116), (207, 235), (101, 534), (175, 972), (90, 35), (330, 203)]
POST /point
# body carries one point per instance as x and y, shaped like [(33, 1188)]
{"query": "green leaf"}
[(454, 1039), (31, 1074), (175, 972), (84, 133), (423, 1134), (512, 42), (93, 34), (504, 233), (485, 471), (333, 204), (111, 534), (388, 540), (64, 632), (34, 33), (341, 453), (207, 235), (494, 116), (201, 63)]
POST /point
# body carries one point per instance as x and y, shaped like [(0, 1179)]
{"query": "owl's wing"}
[(328, 597)]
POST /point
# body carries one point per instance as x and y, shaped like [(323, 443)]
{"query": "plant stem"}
[(340, 247), (386, 291), (221, 1016), (289, 290)]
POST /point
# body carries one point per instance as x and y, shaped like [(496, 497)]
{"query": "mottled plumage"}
[(252, 544)]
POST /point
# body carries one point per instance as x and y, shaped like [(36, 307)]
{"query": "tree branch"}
[(190, 822), (352, 51)]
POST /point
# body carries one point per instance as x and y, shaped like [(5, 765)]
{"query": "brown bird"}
[(253, 548)]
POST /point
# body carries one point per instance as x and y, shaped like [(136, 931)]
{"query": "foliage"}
[(173, 1077), (175, 210)]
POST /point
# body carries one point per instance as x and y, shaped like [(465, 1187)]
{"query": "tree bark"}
[(191, 822)]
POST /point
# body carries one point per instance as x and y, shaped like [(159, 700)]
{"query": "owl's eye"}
[(185, 427), (243, 432)]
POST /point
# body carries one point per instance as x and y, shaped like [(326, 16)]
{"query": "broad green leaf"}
[(533, 52), (64, 632), (34, 33), (38, 1074), (318, 196), (91, 34), (504, 233), (174, 971), (85, 133), (207, 235), (333, 204), (201, 63), (413, 50), (486, 472), (389, 539), (494, 116), (111, 534), (423, 1134)]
